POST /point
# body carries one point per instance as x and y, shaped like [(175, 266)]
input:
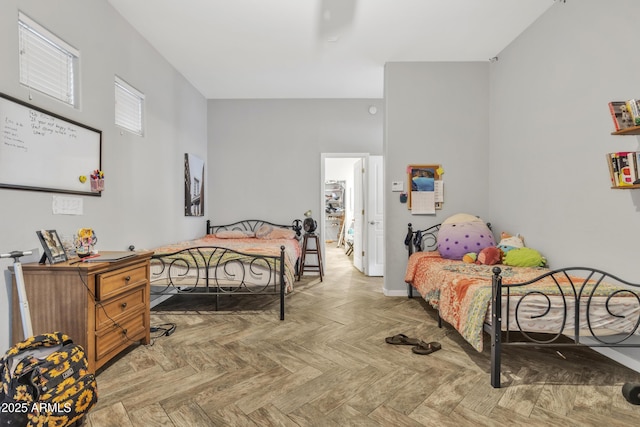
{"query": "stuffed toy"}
[(508, 242), (489, 256), (625, 117), (463, 233), (524, 257), (470, 258)]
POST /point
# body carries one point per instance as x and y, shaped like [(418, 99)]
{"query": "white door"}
[(374, 254), (358, 215)]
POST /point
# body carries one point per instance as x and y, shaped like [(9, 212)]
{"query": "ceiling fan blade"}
[(334, 18)]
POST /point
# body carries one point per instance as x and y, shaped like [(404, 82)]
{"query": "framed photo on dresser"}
[(52, 245)]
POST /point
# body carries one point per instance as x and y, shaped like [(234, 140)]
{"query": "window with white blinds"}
[(129, 107), (47, 63)]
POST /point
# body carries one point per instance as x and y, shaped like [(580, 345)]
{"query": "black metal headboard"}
[(418, 241), (421, 240), (253, 225)]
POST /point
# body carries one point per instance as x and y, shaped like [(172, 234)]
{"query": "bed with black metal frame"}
[(248, 257), (584, 306)]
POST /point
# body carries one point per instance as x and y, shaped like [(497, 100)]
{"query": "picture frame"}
[(52, 245), (422, 178), (194, 184)]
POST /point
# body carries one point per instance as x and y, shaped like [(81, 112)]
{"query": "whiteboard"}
[(43, 151)]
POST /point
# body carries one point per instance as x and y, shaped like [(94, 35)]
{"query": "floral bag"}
[(46, 382)]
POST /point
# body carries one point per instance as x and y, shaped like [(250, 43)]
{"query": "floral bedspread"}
[(462, 292)]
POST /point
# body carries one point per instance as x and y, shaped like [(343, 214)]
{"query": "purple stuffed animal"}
[(463, 233)]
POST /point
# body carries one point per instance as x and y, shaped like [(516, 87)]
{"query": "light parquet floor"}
[(327, 365)]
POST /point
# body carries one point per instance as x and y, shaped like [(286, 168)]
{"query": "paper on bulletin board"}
[(423, 202), (438, 188)]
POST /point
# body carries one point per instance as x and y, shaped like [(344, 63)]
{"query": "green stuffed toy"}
[(524, 257)]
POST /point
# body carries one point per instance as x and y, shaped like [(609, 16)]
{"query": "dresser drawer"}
[(120, 306), (114, 338), (112, 283)]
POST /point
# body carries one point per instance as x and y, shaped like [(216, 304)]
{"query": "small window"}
[(129, 107), (47, 63)]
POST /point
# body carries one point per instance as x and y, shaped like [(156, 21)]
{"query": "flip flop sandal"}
[(402, 339), (426, 348)]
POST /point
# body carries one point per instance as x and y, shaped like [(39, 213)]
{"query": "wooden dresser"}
[(102, 306)]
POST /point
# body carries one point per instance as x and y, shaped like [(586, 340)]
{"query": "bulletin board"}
[(425, 188), (43, 151)]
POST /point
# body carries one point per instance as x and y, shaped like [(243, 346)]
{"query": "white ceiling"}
[(319, 48)]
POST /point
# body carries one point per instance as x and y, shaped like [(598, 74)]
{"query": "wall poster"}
[(193, 185)]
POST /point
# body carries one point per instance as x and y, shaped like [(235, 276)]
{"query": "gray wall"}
[(536, 164), (435, 113), (143, 200), (264, 155), (550, 130)]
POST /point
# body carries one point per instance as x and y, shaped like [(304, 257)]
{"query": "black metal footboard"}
[(581, 307), (217, 271)]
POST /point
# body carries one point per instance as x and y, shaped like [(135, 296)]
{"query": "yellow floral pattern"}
[(59, 389)]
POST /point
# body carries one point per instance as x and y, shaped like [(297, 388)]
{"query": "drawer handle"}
[(127, 278), (124, 332), (123, 305)]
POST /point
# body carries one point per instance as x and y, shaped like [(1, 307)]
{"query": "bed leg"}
[(409, 291), (282, 286), (496, 327), (281, 308), (495, 363), (439, 319), (282, 283)]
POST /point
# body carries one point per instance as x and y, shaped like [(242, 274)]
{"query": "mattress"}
[(462, 294)]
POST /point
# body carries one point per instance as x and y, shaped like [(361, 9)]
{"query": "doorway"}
[(351, 208)]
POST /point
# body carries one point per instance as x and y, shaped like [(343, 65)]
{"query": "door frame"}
[(321, 202), (374, 209)]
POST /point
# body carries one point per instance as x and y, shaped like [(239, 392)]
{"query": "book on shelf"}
[(634, 111), (613, 169), (623, 168), (633, 166), (625, 176), (620, 115)]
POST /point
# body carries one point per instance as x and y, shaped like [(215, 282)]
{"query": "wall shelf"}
[(626, 187), (633, 130)]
